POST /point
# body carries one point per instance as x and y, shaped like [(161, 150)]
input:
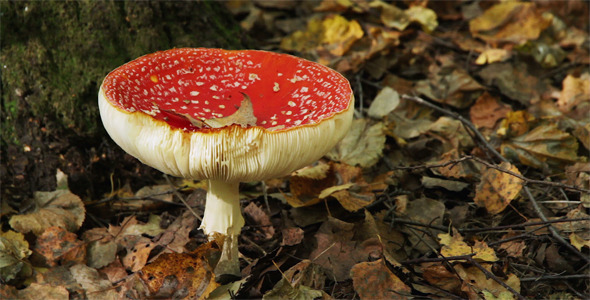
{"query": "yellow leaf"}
[(510, 21), (497, 189), (333, 189), (426, 17), (578, 241), (335, 34), (492, 55)]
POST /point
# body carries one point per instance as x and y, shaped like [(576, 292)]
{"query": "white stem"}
[(222, 209), (223, 215)]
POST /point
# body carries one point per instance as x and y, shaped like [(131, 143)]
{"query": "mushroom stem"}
[(224, 216)]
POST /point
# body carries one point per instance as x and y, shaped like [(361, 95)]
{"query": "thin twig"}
[(182, 199), (555, 277)]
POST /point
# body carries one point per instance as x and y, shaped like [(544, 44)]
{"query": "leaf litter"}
[(403, 207)]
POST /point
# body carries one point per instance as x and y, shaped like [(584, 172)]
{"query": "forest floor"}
[(465, 174)]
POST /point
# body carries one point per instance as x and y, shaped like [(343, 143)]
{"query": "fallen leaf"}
[(425, 211), (543, 147), (374, 280), (180, 275), (514, 81), (243, 116), (514, 248), (292, 236), (102, 250), (449, 84), (516, 123), (363, 144), (306, 184), (260, 218), (424, 16), (391, 15), (475, 281), (452, 133), (37, 291), (58, 245), (514, 22), (58, 208), (305, 280), (575, 91), (357, 6), (547, 55), (334, 34), (465, 169), (578, 241), (439, 276), (386, 101), (336, 250), (487, 110), (497, 189), (492, 55), (14, 250), (394, 17), (451, 185), (95, 287)]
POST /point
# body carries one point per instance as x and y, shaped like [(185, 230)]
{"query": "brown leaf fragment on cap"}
[(244, 116)]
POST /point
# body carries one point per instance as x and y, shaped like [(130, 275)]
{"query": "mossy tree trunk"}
[(54, 57)]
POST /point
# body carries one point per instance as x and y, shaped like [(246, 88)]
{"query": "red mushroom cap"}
[(226, 115), (172, 85)]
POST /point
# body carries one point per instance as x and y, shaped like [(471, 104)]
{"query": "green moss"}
[(56, 53)]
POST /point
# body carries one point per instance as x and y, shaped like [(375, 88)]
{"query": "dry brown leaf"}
[(452, 133), (543, 147), (487, 110), (374, 280), (260, 218), (575, 91), (58, 245), (514, 248), (336, 250), (58, 208), (497, 189), (95, 287), (425, 211), (475, 281), (292, 236), (514, 81), (243, 116), (464, 169), (304, 280), (180, 275), (449, 84), (439, 276), (37, 291)]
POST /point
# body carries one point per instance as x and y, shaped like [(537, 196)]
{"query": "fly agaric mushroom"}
[(228, 117)]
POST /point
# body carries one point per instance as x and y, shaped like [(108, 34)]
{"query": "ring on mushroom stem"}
[(227, 116)]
